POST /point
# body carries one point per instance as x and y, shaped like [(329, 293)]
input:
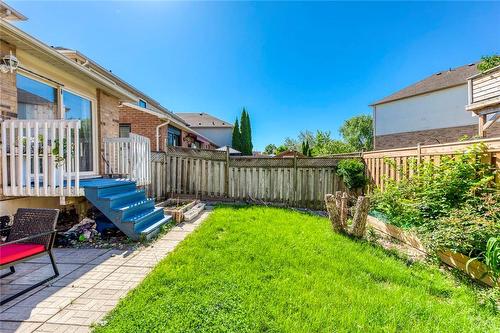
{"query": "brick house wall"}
[(108, 115), (8, 91), (433, 136), (8, 95), (493, 131), (145, 124)]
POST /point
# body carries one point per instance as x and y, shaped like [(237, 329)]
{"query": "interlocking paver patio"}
[(90, 284)]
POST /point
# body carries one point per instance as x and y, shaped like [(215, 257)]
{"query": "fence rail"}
[(129, 157), (301, 182), (397, 164)]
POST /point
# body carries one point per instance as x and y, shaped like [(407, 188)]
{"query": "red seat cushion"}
[(13, 252)]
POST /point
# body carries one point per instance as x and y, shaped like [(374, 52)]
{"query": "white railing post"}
[(31, 162), (130, 157), (4, 157), (77, 126)]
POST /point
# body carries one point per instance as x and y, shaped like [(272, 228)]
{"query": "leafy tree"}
[(291, 144), (236, 140), (246, 134), (307, 136), (281, 149), (358, 132), (325, 145), (488, 62), (270, 149)]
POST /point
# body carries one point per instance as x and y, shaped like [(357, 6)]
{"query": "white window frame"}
[(60, 114), (95, 146)]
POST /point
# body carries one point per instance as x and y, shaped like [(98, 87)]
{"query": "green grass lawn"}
[(259, 269)]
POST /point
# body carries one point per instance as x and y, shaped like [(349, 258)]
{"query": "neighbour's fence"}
[(40, 157), (129, 157), (300, 182), (397, 164)]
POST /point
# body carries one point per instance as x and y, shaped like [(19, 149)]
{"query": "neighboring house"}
[(147, 117), (232, 151), (289, 154), (218, 131), (428, 112), (484, 101)]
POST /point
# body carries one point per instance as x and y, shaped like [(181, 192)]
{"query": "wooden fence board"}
[(399, 164), (301, 182)]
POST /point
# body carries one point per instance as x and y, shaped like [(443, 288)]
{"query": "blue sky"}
[(294, 66)]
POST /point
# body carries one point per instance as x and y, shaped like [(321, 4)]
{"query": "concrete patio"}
[(90, 284)]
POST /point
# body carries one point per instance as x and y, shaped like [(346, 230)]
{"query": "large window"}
[(77, 107), (174, 136), (35, 100)]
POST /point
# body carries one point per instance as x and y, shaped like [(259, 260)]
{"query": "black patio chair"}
[(32, 235)]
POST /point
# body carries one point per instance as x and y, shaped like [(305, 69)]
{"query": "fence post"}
[(226, 180), (295, 180), (419, 153)]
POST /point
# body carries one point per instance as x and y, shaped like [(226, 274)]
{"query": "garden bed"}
[(476, 269), (182, 209)]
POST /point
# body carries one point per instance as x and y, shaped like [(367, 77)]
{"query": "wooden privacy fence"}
[(300, 182), (397, 164)]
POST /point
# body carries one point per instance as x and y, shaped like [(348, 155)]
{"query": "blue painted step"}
[(126, 206)]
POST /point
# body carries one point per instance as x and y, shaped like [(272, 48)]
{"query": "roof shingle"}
[(201, 119), (441, 80)]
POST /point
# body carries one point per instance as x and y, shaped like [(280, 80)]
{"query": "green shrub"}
[(488, 62), (452, 204), (465, 230), (353, 173)]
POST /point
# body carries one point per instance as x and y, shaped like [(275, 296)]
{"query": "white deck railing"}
[(484, 90), (129, 157), (40, 157)]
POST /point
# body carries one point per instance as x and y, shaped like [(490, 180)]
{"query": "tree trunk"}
[(338, 199), (360, 216), (333, 213), (344, 211)]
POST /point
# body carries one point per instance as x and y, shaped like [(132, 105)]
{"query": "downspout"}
[(158, 134)]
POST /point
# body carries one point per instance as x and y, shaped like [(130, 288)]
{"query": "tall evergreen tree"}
[(250, 144), (306, 150), (236, 144), (244, 132)]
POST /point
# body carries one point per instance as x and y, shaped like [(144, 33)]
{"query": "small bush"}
[(465, 230), (488, 62), (353, 173), (452, 205)]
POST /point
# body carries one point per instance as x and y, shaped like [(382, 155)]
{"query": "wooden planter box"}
[(456, 260), (182, 209)]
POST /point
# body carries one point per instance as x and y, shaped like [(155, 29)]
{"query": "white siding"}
[(221, 136), (439, 109)]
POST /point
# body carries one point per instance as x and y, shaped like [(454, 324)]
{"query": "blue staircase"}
[(126, 206)]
